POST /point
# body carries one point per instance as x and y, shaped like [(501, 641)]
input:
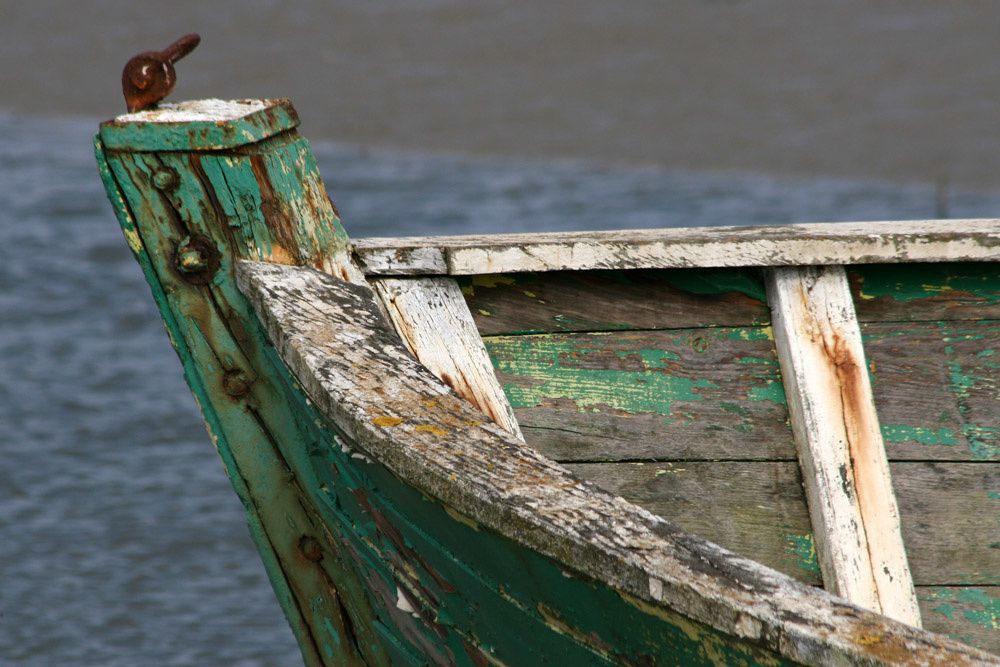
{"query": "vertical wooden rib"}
[(432, 318), (844, 465)]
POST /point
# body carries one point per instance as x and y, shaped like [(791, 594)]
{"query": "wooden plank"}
[(937, 388), (844, 465), (431, 317), (753, 509), (948, 512), (359, 376), (967, 613), (680, 394), (950, 516), (614, 300), (926, 292), (777, 245)]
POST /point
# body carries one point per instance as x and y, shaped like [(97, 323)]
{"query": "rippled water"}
[(121, 542)]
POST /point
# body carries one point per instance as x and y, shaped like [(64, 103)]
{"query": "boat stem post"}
[(197, 187)]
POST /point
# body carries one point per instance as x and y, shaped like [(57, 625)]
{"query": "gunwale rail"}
[(831, 243)]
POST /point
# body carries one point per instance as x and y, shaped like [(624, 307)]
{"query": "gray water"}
[(121, 542)]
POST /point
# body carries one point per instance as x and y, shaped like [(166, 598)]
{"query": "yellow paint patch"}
[(491, 280), (134, 242), (461, 518), (386, 420), (429, 428), (868, 640)]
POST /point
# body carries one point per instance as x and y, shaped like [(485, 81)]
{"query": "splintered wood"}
[(431, 317), (844, 466)]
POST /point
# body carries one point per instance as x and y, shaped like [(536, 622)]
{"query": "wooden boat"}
[(527, 449)]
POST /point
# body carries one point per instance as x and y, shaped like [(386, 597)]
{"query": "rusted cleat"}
[(150, 76)]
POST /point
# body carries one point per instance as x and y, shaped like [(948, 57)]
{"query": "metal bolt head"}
[(165, 178), (196, 259), (191, 260), (310, 548), (235, 383)]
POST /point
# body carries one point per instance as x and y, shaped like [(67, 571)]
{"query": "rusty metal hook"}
[(150, 76)]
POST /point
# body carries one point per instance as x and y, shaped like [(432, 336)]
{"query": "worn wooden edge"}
[(432, 319), (360, 376), (776, 245), (845, 470), (202, 125)]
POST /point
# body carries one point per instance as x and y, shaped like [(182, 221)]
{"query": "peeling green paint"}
[(910, 282), (803, 548), (921, 434), (977, 606), (560, 371)]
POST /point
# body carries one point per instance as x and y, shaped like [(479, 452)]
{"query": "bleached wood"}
[(335, 341), (844, 467), (779, 245), (432, 318)]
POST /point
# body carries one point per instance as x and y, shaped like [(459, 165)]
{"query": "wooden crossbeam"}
[(432, 318), (844, 466)]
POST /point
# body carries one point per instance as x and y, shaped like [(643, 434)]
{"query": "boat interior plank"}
[(926, 292), (614, 300), (749, 508), (632, 395), (970, 614), (936, 387), (758, 508)]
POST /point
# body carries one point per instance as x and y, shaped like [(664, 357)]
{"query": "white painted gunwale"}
[(334, 339), (972, 240)]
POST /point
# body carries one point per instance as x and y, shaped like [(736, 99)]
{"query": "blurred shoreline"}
[(894, 92)]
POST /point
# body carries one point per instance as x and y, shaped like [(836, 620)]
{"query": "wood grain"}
[(433, 321), (614, 300), (778, 245), (845, 470), (679, 394), (936, 388), (948, 512), (967, 613), (754, 509), (926, 292)]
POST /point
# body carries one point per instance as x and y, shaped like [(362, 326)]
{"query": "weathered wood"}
[(780, 245), (844, 465), (678, 394), (754, 509), (361, 378), (202, 125), (926, 292), (614, 300), (949, 514), (968, 613), (431, 317), (757, 509), (936, 388)]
